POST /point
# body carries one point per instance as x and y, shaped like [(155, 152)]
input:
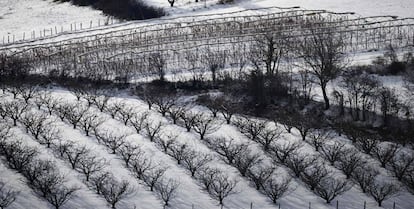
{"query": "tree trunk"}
[(325, 97)]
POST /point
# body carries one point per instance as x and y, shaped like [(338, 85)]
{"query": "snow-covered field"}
[(24, 16), (33, 18), (190, 193)]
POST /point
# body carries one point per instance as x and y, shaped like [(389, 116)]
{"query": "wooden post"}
[(365, 205), (337, 204), (393, 206), (310, 205), (251, 205)]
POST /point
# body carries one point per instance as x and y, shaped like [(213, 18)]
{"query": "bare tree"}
[(268, 136), (313, 175), (18, 156), (49, 101), (228, 109), (126, 113), (318, 138), (98, 181), (75, 155), (366, 144), (78, 91), (389, 102), (36, 169), (365, 177), (164, 103), (349, 162), (75, 113), (90, 121), (139, 120), (402, 165), (207, 175), (166, 142), (330, 187), (60, 195), (110, 139), (189, 119), (322, 52), (140, 164), (91, 164), (228, 149), (385, 153), (205, 126), (157, 61), (298, 163), (259, 175), (212, 103), (153, 176), (167, 190), (222, 187), (7, 195), (152, 130), (48, 181), (101, 102), (268, 50), (275, 189), (179, 152), (114, 107), (115, 191), (129, 151), (194, 161), (251, 128), (35, 123), (382, 190), (333, 152), (28, 92), (214, 61), (15, 110), (49, 136), (244, 162), (62, 147), (304, 122), (175, 112), (282, 151)]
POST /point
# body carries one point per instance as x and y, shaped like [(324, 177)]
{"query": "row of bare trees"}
[(41, 175)]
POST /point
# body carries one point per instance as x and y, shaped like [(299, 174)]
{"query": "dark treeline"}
[(123, 9)]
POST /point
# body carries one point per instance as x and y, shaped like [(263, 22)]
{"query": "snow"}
[(23, 16)]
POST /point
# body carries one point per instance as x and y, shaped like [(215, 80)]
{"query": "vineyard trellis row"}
[(126, 52)]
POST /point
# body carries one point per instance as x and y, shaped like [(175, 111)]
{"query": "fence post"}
[(365, 205), (251, 205), (393, 206), (310, 205), (192, 206), (337, 204)]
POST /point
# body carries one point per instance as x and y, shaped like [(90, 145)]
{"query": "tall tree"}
[(322, 52)]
